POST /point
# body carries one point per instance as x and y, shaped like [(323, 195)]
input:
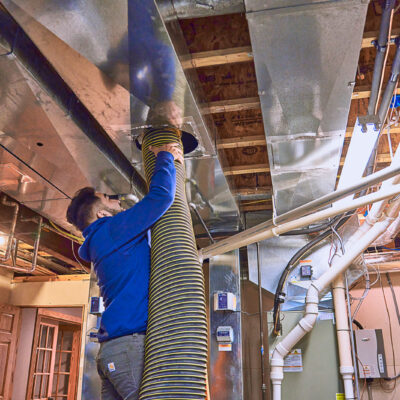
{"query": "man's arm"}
[(139, 218)]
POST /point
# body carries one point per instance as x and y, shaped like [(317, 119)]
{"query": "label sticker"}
[(225, 347), (111, 366), (340, 396), (293, 362), (324, 316)]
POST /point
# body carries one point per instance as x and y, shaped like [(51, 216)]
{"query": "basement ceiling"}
[(217, 56)]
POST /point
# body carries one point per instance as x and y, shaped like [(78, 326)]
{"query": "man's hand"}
[(172, 148), (170, 111)]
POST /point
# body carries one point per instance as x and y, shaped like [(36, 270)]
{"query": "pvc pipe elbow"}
[(308, 321)]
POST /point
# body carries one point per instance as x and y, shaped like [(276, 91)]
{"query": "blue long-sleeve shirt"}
[(119, 249)]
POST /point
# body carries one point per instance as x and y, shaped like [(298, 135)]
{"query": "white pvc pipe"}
[(359, 244), (267, 230), (343, 336)]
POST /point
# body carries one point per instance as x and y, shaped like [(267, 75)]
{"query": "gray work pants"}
[(120, 366)]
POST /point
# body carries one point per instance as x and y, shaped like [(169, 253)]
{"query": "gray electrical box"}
[(370, 353)]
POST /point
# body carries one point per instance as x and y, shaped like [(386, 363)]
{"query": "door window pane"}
[(65, 362), (36, 386), (43, 336)]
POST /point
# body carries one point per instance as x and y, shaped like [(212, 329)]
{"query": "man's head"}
[(88, 205)]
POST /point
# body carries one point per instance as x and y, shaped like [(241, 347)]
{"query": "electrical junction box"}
[(225, 334), (370, 353), (96, 305), (224, 301), (306, 271)]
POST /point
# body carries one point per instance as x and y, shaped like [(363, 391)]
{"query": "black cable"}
[(307, 231), (357, 324), (279, 297), (394, 296), (392, 378)]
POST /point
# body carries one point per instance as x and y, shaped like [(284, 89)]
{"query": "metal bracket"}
[(365, 120)]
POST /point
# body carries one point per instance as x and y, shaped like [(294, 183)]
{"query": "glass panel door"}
[(44, 361)]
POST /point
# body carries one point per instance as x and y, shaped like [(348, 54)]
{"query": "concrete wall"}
[(373, 315)]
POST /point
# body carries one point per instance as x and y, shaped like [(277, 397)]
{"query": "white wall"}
[(373, 315), (24, 350), (5, 285), (55, 294)]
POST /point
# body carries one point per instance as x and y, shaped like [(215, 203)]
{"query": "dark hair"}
[(81, 211)]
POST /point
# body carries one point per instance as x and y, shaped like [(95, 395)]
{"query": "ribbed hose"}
[(176, 338)]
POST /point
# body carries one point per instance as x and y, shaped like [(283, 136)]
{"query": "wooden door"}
[(43, 360), (9, 333), (55, 357)]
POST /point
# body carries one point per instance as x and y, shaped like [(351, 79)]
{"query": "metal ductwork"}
[(202, 8), (86, 47), (306, 54)]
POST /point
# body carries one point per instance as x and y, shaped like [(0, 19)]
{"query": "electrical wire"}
[(67, 234), (279, 297), (391, 337), (76, 258), (394, 296)]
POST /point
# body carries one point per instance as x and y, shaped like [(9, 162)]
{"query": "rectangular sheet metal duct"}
[(306, 55), (86, 43)]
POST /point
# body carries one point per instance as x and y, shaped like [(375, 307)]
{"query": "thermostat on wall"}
[(224, 301)]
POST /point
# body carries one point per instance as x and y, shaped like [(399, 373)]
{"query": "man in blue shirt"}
[(118, 244)]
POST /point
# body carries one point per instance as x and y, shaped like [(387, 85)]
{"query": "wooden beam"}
[(393, 129), (243, 141), (363, 92), (253, 103), (259, 168), (245, 103), (245, 54), (246, 169), (53, 244), (256, 207), (368, 37), (250, 191), (218, 57), (259, 140), (51, 278)]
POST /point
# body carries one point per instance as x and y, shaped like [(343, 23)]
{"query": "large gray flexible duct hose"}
[(176, 338)]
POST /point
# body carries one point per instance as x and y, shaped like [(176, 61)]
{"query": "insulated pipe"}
[(176, 338), (394, 76), (343, 336), (267, 229), (312, 299), (381, 47), (244, 238)]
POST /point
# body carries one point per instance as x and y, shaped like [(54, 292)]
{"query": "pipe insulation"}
[(176, 338)]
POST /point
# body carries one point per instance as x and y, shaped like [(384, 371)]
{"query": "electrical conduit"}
[(176, 338)]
